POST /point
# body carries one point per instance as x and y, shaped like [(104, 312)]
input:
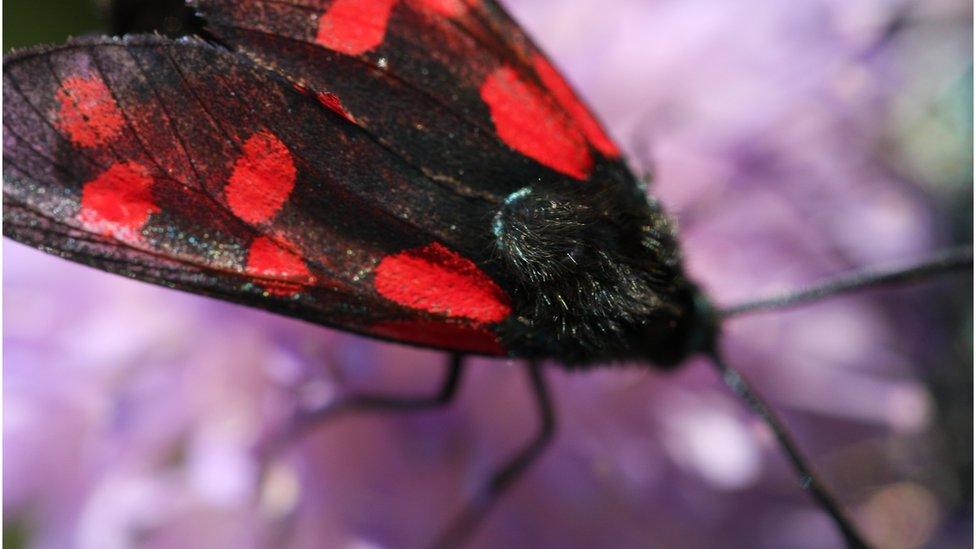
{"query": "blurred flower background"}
[(791, 140)]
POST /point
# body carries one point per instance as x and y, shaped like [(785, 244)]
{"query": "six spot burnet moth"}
[(412, 170), (487, 212)]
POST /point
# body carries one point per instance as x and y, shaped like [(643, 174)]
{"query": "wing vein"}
[(50, 66), (441, 180), (125, 116), (237, 146), (50, 125), (86, 236)]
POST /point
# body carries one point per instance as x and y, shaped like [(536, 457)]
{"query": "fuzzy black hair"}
[(598, 276)]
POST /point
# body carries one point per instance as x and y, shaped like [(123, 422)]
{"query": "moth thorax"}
[(598, 275), (544, 235)]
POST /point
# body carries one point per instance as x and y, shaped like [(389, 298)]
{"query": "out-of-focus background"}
[(791, 140)]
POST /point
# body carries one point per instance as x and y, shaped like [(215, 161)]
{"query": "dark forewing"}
[(454, 86), (186, 165)]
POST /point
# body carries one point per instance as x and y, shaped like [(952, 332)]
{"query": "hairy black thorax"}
[(598, 277)]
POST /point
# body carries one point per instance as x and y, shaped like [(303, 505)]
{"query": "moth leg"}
[(305, 420), (465, 523)]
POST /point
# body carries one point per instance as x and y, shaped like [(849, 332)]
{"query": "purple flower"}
[(791, 140)]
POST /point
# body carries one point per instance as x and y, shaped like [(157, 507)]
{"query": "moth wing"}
[(186, 165), (455, 86)]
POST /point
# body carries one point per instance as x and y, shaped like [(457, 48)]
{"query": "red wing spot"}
[(459, 337), (332, 101), (354, 27), (526, 121), (286, 271), (87, 111), (437, 280), (584, 119), (447, 8), (263, 177), (118, 202)]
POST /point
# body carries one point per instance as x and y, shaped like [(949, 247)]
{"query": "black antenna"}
[(808, 479), (947, 261)]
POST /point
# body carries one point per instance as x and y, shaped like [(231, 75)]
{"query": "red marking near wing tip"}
[(87, 111), (262, 180), (354, 27), (268, 259), (447, 8), (435, 279), (526, 121), (459, 337), (118, 202), (584, 119), (332, 101)]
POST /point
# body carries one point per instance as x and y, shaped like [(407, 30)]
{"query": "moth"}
[(415, 171)]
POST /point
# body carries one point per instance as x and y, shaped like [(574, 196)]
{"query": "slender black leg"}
[(465, 523), (808, 479), (305, 420)]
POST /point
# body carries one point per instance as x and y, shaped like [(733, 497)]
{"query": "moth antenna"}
[(808, 478), (956, 259)]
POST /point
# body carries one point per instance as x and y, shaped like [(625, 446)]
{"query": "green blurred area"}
[(49, 21), (16, 534)]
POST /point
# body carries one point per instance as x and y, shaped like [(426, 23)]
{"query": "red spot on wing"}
[(528, 122), (581, 115), (262, 179), (459, 337), (331, 101), (354, 27), (118, 202), (437, 280), (87, 111), (284, 272)]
